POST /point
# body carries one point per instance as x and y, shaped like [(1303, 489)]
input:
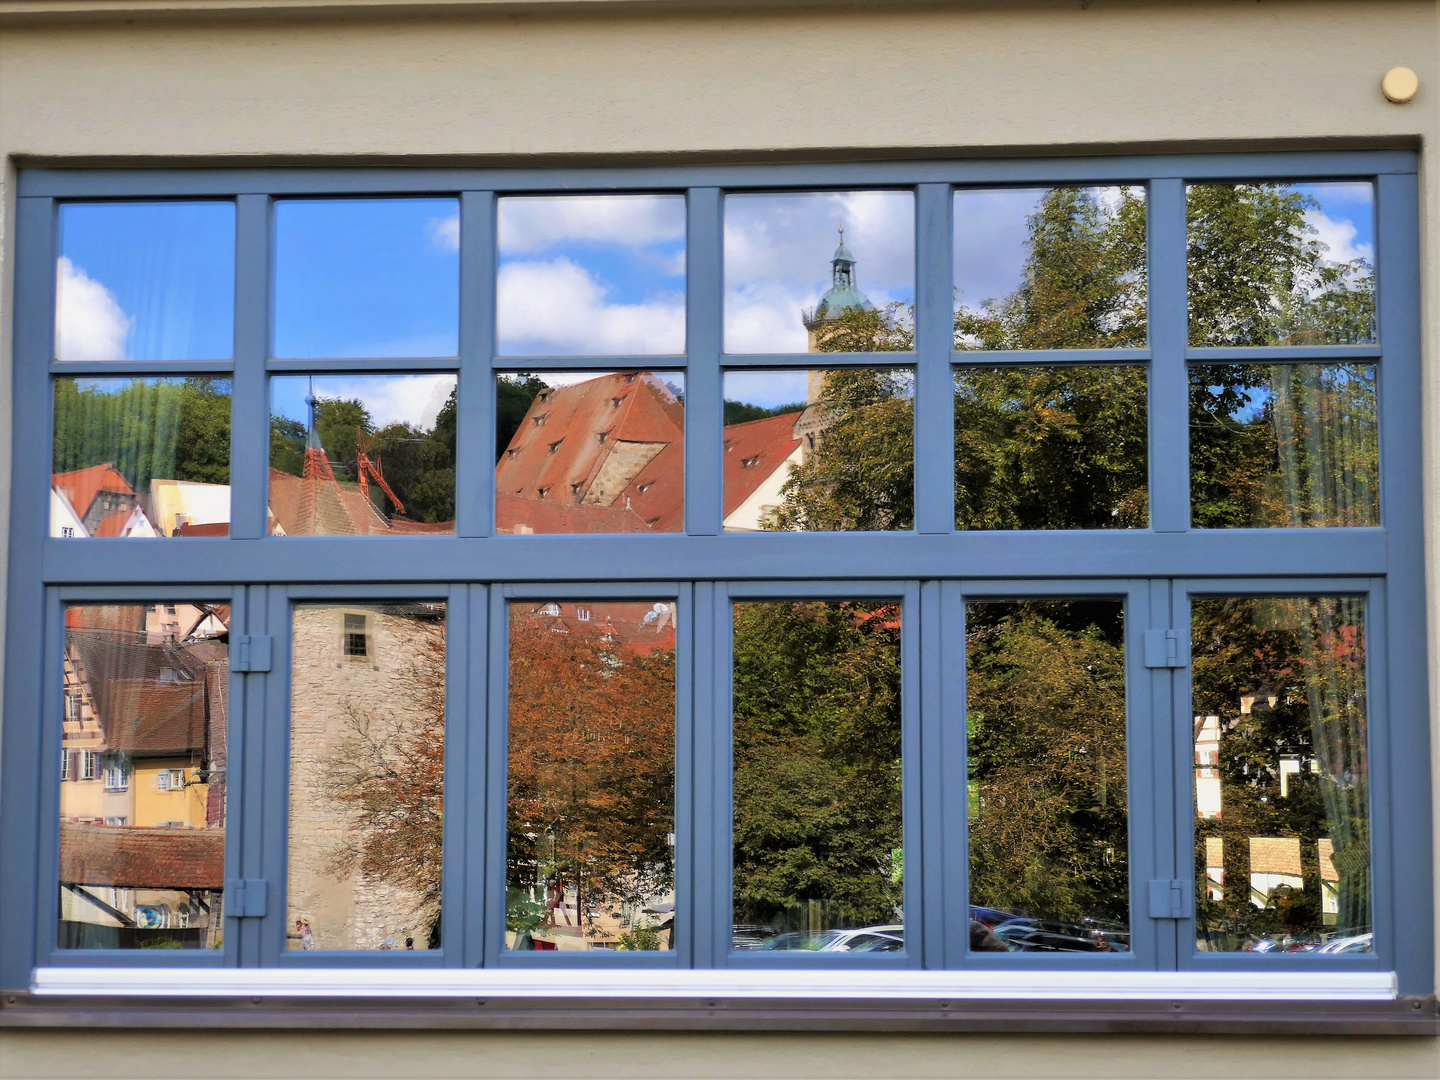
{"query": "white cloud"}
[(1339, 235), (777, 259), (559, 308), (406, 399), (89, 322), (444, 233), (531, 224)]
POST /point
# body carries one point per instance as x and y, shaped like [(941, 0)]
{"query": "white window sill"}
[(839, 986)]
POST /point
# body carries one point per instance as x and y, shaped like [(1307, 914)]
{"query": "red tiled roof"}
[(587, 444), (625, 620), (213, 528), (81, 486), (142, 858), (150, 699), (316, 505), (754, 450), (512, 513)]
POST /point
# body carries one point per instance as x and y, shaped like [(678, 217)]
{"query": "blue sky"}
[(390, 399), (591, 275), (146, 281), (778, 250), (367, 277)]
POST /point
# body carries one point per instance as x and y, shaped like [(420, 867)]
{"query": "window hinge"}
[(250, 652), (1163, 649), (245, 898), (1171, 899)]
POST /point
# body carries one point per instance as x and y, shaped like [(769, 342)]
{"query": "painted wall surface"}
[(1010, 77)]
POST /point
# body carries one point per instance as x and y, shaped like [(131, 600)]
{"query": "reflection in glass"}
[(367, 277), (1281, 264), (141, 458), (1045, 729), (142, 776), (820, 450), (1274, 445), (591, 275), (1282, 828), (818, 846), (367, 771), (590, 825), (145, 281), (362, 455), (791, 288), (1050, 268), (1051, 448), (590, 453)]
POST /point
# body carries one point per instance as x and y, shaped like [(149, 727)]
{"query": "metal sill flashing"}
[(1397, 1016)]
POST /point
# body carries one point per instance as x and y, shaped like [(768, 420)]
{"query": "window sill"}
[(1179, 1002)]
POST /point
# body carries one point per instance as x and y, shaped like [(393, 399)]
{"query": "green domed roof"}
[(843, 292)]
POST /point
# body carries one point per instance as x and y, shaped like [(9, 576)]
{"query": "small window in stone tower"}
[(356, 640)]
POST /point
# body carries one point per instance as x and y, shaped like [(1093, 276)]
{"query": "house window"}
[(1063, 621), (357, 638)]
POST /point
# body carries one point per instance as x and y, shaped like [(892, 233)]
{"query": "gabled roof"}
[(142, 858), (80, 486), (149, 699), (609, 428), (516, 514), (753, 450)]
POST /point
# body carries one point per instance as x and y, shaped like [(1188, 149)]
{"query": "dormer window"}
[(555, 446), (539, 421), (750, 462), (540, 493)]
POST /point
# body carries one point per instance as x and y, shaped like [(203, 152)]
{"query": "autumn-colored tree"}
[(389, 773), (591, 762)]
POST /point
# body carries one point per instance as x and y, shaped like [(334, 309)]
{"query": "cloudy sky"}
[(390, 399), (777, 259), (591, 275)]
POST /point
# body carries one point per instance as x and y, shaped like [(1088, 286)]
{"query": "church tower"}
[(843, 295)]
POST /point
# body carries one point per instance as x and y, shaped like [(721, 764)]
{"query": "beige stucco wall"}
[(829, 81)]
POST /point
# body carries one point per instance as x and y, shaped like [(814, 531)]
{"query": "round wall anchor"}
[(1400, 84)]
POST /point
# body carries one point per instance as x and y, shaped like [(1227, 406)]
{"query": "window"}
[(1059, 630)]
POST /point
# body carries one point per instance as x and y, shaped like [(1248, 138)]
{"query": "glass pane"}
[(591, 275), (590, 823), (1281, 264), (362, 455), (820, 451), (145, 281), (821, 272), (1051, 448), (1275, 445), (1050, 268), (581, 452), (142, 776), (1282, 827), (1049, 821), (367, 277), (819, 854), (141, 457), (367, 776)]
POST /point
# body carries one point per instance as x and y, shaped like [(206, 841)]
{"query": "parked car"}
[(1360, 943), (861, 939), (1044, 935)]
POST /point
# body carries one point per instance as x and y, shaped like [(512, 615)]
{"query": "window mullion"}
[(249, 404), (934, 340), (704, 285), (1169, 390), (475, 437)]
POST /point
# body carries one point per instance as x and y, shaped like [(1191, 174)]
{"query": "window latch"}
[(1163, 649), (1171, 899), (245, 898), (250, 652)]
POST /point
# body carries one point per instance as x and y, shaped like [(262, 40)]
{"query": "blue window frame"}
[(932, 570)]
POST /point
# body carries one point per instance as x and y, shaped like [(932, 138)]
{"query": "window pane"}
[(1049, 820), (821, 272), (362, 455), (591, 275), (819, 852), (1051, 448), (590, 825), (142, 788), (820, 451), (590, 453), (1282, 827), (1050, 268), (145, 281), (1275, 445), (367, 277), (1281, 264), (141, 457), (367, 773)]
